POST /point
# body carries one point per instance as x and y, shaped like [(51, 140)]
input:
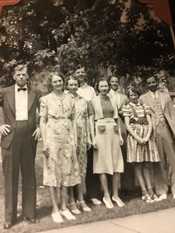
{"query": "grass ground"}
[(133, 205)]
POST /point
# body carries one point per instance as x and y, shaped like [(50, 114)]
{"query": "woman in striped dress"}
[(141, 148)]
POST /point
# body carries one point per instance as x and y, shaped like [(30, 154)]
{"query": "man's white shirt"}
[(21, 104)]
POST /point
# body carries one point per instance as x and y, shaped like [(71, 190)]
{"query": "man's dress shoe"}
[(31, 220), (7, 225)]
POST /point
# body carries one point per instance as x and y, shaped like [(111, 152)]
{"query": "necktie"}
[(22, 89), (155, 97)]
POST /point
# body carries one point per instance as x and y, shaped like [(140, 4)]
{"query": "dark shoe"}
[(147, 199), (7, 225), (31, 220)]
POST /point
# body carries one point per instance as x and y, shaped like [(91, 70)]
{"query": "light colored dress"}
[(61, 167), (80, 116), (136, 152), (108, 157)]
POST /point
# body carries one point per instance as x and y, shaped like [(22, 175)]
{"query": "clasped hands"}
[(142, 140)]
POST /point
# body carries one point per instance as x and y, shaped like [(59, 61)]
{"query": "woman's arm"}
[(92, 129), (74, 126), (119, 131), (43, 134), (148, 117), (130, 130), (88, 132)]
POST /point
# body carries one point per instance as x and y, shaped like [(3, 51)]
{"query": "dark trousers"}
[(93, 186), (128, 176), (20, 154)]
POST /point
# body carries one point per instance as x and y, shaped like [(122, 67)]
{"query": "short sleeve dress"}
[(61, 168), (108, 157), (135, 152)]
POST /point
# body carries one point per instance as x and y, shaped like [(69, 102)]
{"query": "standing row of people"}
[(70, 123)]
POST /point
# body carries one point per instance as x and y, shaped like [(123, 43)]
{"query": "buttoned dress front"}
[(61, 167)]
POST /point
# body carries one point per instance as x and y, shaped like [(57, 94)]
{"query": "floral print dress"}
[(80, 116), (61, 167)]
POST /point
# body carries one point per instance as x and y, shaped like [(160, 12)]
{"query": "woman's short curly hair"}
[(50, 76), (71, 77)]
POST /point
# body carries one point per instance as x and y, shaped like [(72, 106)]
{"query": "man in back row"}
[(19, 137), (127, 177)]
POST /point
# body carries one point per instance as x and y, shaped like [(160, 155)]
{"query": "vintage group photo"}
[(87, 114)]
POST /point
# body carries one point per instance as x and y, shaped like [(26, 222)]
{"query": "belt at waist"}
[(106, 120), (22, 121)]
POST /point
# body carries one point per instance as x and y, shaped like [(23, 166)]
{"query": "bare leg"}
[(63, 195), (81, 198), (53, 197), (139, 175), (146, 175), (115, 187), (80, 191), (104, 184), (63, 206), (71, 195), (115, 184)]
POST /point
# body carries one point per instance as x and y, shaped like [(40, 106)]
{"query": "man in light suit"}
[(19, 137), (163, 120), (127, 178)]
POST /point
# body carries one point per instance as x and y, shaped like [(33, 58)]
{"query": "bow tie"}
[(22, 88)]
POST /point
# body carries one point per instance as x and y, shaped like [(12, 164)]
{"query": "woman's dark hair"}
[(71, 77), (133, 89), (50, 76), (114, 76), (102, 79), (150, 76)]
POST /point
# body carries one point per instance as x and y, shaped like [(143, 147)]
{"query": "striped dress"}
[(135, 152)]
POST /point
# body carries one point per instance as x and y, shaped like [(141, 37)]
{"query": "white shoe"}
[(95, 201), (67, 214), (73, 208), (118, 201), (154, 197), (82, 205), (108, 204), (163, 197), (57, 217)]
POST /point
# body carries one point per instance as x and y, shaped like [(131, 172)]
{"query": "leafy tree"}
[(54, 34)]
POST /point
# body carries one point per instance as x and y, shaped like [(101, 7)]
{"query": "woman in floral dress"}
[(141, 147), (83, 142), (58, 129)]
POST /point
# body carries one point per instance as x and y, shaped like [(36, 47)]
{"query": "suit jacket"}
[(7, 102), (167, 106)]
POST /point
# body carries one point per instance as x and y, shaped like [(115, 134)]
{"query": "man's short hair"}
[(79, 66), (150, 76), (19, 68), (112, 76)]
